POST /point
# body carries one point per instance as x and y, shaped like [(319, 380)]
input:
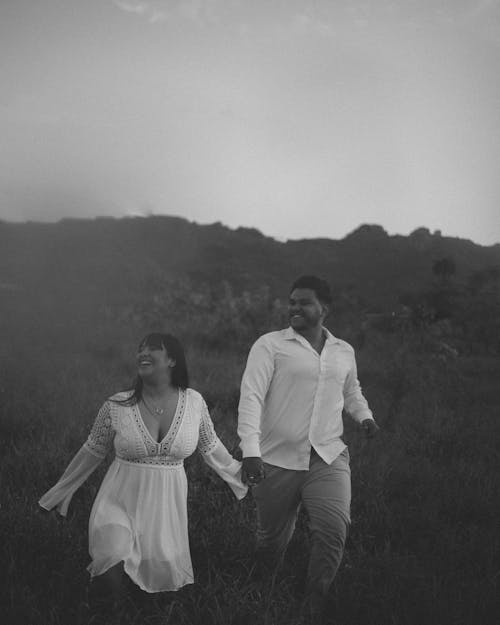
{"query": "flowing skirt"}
[(140, 517)]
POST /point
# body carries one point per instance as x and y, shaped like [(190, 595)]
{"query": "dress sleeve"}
[(87, 459), (217, 456), (100, 440)]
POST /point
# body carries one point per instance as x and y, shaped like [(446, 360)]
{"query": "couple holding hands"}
[(296, 383)]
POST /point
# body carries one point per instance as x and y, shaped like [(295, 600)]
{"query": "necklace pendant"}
[(154, 410)]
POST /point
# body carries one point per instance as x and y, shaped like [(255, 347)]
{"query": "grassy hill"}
[(83, 267), (94, 255), (75, 298)]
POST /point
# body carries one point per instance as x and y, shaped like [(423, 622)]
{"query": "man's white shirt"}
[(292, 399)]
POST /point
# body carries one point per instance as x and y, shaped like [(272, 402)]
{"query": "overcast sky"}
[(301, 118)]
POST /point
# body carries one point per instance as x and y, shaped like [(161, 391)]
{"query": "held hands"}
[(252, 471), (370, 428)]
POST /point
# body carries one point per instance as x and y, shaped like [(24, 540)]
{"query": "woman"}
[(138, 523)]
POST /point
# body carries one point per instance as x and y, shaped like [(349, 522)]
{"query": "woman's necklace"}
[(155, 410)]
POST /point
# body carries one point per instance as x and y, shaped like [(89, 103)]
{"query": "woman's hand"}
[(52, 514)]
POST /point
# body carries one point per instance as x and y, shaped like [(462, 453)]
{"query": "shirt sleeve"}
[(217, 456), (254, 386), (87, 459), (354, 401)]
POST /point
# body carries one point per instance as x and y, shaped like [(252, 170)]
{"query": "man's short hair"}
[(320, 287)]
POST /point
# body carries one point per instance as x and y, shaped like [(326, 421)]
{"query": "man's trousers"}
[(325, 493)]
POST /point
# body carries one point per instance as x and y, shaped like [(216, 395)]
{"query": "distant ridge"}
[(106, 259), (363, 229)]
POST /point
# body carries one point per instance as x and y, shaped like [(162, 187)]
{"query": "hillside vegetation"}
[(423, 314)]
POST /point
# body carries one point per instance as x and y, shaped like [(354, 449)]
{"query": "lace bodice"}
[(122, 427)]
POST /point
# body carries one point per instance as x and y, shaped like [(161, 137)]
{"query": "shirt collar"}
[(289, 333)]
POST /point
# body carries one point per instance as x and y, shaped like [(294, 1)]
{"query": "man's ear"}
[(326, 310)]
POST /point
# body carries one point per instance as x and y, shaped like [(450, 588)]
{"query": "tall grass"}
[(424, 540)]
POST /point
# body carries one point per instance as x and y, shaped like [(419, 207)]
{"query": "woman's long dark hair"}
[(180, 376)]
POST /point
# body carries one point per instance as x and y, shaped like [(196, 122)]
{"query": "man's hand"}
[(252, 471), (370, 428)]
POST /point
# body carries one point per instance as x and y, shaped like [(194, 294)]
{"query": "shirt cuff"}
[(361, 416), (250, 447)]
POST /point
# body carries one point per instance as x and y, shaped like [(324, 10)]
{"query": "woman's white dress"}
[(140, 513)]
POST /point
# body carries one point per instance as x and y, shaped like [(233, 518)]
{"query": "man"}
[(296, 383)]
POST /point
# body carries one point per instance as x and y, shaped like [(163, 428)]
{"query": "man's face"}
[(305, 311)]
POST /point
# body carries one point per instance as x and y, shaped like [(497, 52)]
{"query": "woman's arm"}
[(87, 459), (217, 456)]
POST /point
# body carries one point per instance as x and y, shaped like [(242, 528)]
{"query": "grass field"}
[(424, 542)]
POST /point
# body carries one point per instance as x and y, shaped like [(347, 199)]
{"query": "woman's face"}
[(153, 360)]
